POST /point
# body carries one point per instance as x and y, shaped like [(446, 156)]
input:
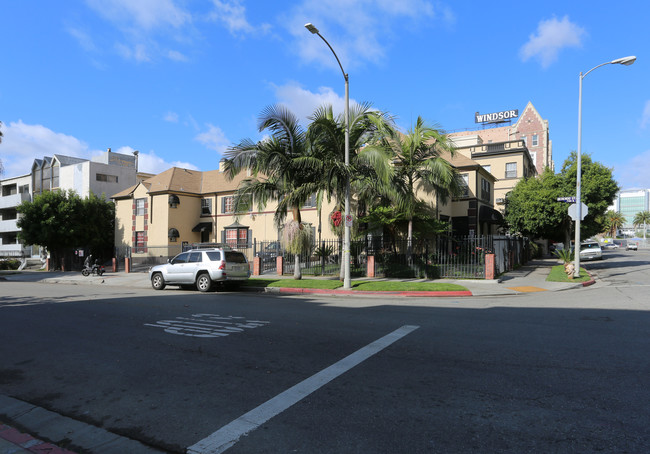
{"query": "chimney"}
[(108, 150)]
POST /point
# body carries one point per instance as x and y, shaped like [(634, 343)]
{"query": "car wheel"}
[(203, 282), (157, 281)]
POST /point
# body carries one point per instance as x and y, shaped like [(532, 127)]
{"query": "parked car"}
[(201, 268), (609, 246), (270, 252), (631, 246), (590, 250)]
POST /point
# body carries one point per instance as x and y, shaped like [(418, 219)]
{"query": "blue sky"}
[(181, 80)]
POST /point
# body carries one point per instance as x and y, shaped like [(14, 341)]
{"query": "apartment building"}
[(103, 175), (629, 203)]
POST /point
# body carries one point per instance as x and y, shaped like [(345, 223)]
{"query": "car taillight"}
[(222, 266)]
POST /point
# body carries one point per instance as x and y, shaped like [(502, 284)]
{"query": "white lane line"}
[(229, 434)]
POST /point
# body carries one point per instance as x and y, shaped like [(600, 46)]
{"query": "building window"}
[(488, 168), (511, 170), (464, 183), (311, 203), (106, 178), (139, 207), (139, 242), (525, 139), (228, 204), (206, 206), (535, 140), (533, 157), (485, 189), (237, 237)]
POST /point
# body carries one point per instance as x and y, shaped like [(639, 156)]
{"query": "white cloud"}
[(303, 102), (360, 34), (150, 162), (142, 14), (83, 38), (22, 143), (552, 36), (634, 172), (233, 15), (171, 117), (214, 139), (645, 117)]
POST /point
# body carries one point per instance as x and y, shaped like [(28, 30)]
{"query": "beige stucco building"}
[(189, 206)]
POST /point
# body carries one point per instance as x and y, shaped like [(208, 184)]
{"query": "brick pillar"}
[(279, 264), (114, 265), (127, 264), (370, 272), (490, 266), (257, 266)]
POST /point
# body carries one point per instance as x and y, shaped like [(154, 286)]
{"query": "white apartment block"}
[(104, 176)]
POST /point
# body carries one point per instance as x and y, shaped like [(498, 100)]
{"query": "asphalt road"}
[(541, 372)]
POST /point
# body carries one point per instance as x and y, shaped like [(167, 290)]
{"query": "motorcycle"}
[(96, 269)]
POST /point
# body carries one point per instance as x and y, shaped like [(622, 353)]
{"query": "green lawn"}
[(385, 286), (558, 274)]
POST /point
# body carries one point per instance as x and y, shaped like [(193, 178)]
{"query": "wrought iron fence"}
[(444, 257)]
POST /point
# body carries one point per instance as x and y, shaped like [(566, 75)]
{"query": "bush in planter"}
[(9, 264)]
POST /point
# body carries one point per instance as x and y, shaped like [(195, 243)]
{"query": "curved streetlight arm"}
[(309, 26)]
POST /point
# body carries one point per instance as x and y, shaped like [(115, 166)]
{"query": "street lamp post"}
[(627, 61), (346, 235)]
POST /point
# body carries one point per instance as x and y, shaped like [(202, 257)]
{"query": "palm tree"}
[(642, 218), (280, 171), (420, 168), (614, 221), (369, 166)]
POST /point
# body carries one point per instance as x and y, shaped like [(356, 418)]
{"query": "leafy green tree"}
[(614, 220), (532, 207), (642, 219), (281, 171), (60, 220)]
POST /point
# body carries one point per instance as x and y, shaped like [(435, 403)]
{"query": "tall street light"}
[(627, 61), (346, 237)]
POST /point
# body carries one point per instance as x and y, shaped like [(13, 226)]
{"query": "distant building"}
[(103, 176), (530, 128), (629, 203)]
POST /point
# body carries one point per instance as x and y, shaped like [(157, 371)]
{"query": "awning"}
[(489, 215), (236, 225), (203, 227), (173, 233)]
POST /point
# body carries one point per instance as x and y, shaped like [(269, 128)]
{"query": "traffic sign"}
[(348, 220), (583, 211), (567, 199)]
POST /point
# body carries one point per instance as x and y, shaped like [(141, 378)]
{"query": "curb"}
[(19, 442), (319, 291)]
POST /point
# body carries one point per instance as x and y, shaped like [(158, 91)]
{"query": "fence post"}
[(279, 265), (257, 266), (114, 265), (370, 271), (490, 268), (127, 264)]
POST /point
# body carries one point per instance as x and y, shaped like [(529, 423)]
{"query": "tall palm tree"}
[(369, 166), (642, 218), (280, 170), (420, 168), (615, 221)]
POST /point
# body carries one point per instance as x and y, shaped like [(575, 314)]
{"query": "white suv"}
[(201, 268)]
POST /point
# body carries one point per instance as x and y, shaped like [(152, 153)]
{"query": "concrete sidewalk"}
[(528, 278)]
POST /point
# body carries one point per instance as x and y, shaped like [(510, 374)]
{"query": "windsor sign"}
[(496, 117)]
